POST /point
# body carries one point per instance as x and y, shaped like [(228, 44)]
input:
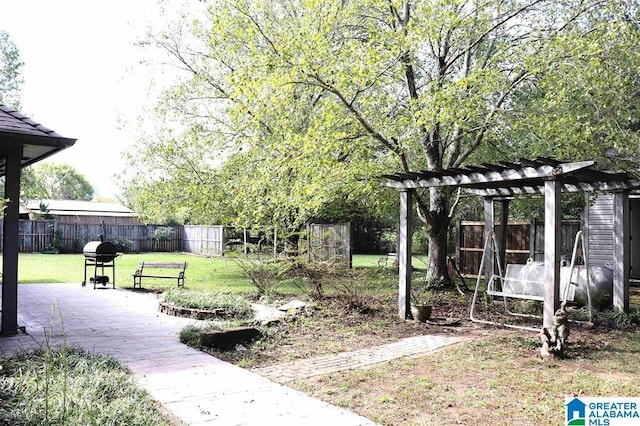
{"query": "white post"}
[(621, 250), (488, 256), (404, 254), (504, 230), (552, 248), (275, 240)]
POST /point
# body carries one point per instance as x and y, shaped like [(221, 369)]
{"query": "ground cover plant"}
[(72, 387), (231, 305)]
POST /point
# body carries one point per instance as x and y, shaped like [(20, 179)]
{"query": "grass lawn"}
[(495, 377), (220, 274), (212, 273)]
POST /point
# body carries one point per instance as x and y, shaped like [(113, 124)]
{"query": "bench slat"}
[(166, 265), (142, 272)]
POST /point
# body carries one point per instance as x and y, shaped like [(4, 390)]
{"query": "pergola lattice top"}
[(526, 177)]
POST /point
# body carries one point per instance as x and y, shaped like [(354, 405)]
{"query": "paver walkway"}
[(197, 388), (318, 366)]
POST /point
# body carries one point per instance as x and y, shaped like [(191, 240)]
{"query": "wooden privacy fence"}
[(34, 235), (127, 238), (45, 235), (326, 242), (330, 243), (204, 239), (524, 240)]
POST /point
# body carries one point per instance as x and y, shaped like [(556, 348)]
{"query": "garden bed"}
[(193, 313)]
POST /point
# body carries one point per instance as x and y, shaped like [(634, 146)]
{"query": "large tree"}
[(386, 85), (10, 64), (54, 181)]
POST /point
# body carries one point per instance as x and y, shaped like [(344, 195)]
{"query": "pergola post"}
[(404, 253), (552, 250), (621, 250), (489, 220), (11, 226), (504, 228)]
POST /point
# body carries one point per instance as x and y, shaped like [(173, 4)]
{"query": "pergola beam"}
[(460, 177)]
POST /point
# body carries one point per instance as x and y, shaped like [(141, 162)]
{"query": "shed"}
[(81, 212), (501, 182), (22, 142), (601, 233)]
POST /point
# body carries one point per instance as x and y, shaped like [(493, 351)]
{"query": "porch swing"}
[(513, 284)]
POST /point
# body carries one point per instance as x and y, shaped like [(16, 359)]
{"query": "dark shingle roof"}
[(37, 141), (12, 121)]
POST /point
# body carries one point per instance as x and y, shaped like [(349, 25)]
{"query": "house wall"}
[(600, 231)]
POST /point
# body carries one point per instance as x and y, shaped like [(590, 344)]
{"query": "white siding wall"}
[(600, 231)]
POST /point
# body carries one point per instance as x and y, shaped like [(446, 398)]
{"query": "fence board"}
[(43, 235), (330, 242), (204, 239), (524, 240)]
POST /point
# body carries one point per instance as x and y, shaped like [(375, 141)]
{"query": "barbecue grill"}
[(100, 255)]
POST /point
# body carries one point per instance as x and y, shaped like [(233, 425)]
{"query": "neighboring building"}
[(600, 223), (80, 212)]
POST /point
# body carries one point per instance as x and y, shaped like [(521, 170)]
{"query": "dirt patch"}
[(497, 374), (341, 324)]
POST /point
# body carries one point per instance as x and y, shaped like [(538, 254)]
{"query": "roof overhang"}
[(34, 147), (20, 135)]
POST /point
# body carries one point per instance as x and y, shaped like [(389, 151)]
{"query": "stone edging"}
[(198, 314)]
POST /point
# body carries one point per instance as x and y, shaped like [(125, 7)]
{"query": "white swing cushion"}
[(527, 282)]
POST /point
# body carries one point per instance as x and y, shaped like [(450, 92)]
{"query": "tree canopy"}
[(10, 65), (54, 181), (293, 104)]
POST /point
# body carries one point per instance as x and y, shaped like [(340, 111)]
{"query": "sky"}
[(83, 77)]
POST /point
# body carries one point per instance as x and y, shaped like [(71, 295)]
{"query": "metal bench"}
[(163, 268), (389, 258)]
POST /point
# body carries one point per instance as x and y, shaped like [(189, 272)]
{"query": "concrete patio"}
[(195, 387)]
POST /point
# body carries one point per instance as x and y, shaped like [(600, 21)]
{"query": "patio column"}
[(489, 256), (404, 253), (621, 250), (552, 250), (11, 225)]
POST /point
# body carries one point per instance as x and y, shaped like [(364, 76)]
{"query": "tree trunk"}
[(437, 231)]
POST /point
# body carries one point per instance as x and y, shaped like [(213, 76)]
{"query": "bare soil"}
[(497, 375)]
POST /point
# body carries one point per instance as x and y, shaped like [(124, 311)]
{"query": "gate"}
[(330, 243)]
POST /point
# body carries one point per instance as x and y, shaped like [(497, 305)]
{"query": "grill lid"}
[(102, 251)]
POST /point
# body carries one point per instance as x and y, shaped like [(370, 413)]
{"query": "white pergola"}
[(502, 182)]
